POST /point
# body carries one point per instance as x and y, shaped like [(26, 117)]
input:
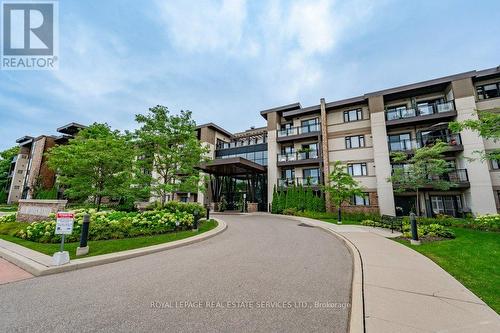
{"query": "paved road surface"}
[(258, 259)]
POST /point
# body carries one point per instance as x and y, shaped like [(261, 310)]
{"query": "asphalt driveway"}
[(264, 274)]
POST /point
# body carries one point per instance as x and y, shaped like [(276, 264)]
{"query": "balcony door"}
[(310, 125)]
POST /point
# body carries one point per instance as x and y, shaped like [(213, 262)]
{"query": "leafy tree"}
[(341, 186), (170, 152), (487, 126), (425, 168), (6, 157), (97, 163)]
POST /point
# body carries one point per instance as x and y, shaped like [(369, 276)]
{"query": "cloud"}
[(204, 25)]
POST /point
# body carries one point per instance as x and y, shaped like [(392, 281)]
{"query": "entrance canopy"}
[(234, 166)]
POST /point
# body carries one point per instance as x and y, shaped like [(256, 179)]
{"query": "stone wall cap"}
[(40, 201)]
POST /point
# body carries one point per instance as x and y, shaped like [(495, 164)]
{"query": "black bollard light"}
[(83, 249), (208, 212), (414, 231), (196, 215)]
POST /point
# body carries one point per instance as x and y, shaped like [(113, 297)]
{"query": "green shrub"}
[(299, 198), (8, 218), (3, 197), (429, 230), (110, 225), (489, 222)]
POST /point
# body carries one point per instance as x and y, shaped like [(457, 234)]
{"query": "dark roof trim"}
[(24, 139), (215, 127), (74, 126), (487, 72), (422, 84), (283, 108), (346, 102), (299, 112)]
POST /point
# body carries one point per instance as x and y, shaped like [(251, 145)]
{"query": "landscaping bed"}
[(108, 246), (110, 231)]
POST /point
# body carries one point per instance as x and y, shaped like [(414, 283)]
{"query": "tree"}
[(97, 163), (427, 167), (341, 186), (6, 157), (487, 126), (170, 152)]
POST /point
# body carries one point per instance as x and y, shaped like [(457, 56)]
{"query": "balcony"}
[(404, 115), (300, 132), (306, 182), (454, 142), (459, 177), (311, 157)]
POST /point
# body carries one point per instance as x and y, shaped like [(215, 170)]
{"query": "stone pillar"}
[(272, 154), (18, 176), (381, 155), (324, 152), (479, 197)]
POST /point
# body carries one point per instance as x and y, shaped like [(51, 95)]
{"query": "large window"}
[(488, 91), (357, 169), (356, 141), (353, 115), (288, 174), (361, 200), (311, 176), (446, 204), (310, 125), (399, 142)]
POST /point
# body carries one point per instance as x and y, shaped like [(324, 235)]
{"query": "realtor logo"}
[(29, 35)]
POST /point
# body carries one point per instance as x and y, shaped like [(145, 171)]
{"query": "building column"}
[(381, 155), (325, 152), (272, 154), (479, 197)]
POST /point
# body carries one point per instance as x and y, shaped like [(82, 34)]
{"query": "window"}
[(361, 200), (357, 169), (310, 125), (353, 115), (288, 174), (488, 91), (356, 141), (311, 176), (495, 164), (399, 142)]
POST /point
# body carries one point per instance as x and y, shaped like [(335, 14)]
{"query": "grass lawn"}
[(104, 246), (473, 258)]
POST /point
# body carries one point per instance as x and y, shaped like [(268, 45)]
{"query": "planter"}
[(252, 207)]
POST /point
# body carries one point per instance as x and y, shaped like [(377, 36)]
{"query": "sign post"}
[(64, 226)]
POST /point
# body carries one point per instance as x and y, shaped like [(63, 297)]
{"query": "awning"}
[(234, 166)]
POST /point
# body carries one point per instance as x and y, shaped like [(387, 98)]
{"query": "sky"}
[(227, 60)]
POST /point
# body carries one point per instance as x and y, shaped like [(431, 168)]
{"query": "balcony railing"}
[(299, 156), (309, 181), (455, 176), (299, 130), (422, 110), (407, 145)]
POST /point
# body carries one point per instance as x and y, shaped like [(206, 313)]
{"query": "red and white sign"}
[(64, 223)]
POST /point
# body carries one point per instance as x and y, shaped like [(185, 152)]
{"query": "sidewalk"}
[(405, 291)]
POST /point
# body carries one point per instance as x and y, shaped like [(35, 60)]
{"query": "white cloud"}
[(204, 25)]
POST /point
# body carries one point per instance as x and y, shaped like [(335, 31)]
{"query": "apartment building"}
[(300, 143), (29, 168)]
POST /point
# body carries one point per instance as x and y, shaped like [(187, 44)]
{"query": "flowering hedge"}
[(428, 230), (486, 222), (110, 225)]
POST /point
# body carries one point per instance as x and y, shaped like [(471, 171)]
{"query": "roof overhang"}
[(216, 128), (283, 108), (71, 128), (235, 166)]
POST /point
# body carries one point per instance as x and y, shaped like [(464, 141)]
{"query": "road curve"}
[(264, 274)]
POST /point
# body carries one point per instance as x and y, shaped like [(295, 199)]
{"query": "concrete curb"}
[(357, 313), (38, 269)]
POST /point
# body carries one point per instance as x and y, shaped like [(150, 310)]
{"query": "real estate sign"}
[(64, 223)]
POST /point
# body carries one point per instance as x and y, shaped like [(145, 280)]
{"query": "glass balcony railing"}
[(455, 176), (290, 157), (309, 181), (425, 140), (299, 130), (421, 110)]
